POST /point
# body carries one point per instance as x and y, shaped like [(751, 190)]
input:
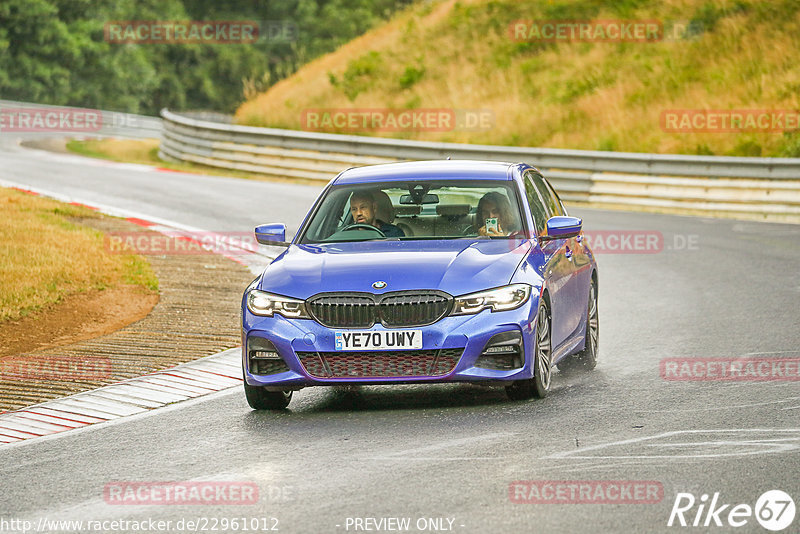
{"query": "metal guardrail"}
[(585, 160), (761, 188), (113, 123)]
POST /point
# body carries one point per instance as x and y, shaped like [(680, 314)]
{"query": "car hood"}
[(456, 266)]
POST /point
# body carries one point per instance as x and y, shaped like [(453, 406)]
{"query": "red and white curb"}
[(129, 397)]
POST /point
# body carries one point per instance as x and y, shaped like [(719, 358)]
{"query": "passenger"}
[(363, 208), (494, 205)]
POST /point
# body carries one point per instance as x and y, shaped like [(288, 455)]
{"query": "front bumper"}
[(457, 339)]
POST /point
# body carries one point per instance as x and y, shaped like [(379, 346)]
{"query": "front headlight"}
[(267, 304), (499, 299)]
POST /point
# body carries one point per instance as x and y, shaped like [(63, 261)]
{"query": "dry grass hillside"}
[(735, 54)]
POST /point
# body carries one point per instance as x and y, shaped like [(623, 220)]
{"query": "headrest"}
[(385, 210), (411, 209)]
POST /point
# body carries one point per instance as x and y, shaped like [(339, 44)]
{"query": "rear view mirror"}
[(428, 198)]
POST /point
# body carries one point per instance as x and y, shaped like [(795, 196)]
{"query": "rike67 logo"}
[(774, 510)]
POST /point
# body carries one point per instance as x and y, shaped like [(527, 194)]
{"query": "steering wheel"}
[(362, 226)]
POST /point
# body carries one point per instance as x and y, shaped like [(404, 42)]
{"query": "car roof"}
[(424, 170)]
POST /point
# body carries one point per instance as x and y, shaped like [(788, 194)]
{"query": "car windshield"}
[(446, 209)]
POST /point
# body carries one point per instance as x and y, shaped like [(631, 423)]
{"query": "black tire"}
[(586, 360), (539, 385), (260, 399)]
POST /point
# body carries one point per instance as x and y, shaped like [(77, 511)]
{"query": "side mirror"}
[(560, 227), (272, 234)]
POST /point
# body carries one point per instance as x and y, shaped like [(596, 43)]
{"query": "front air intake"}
[(380, 364), (263, 357)]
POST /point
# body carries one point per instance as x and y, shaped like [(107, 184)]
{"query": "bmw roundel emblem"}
[(380, 284)]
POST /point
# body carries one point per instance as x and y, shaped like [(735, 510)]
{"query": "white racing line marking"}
[(773, 352), (765, 445), (588, 467), (731, 407)]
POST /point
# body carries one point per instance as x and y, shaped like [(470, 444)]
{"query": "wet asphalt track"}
[(720, 288)]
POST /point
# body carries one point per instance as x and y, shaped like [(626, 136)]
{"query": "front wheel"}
[(260, 399), (539, 385), (586, 360)]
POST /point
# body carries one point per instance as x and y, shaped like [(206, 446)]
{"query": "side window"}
[(345, 217), (537, 207), (559, 204), (548, 197)]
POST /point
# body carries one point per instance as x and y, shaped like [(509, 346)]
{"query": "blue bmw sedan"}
[(431, 271)]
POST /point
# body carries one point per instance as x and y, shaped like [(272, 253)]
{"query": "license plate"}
[(379, 340)]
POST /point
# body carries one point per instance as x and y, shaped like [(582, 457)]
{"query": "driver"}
[(363, 208)]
